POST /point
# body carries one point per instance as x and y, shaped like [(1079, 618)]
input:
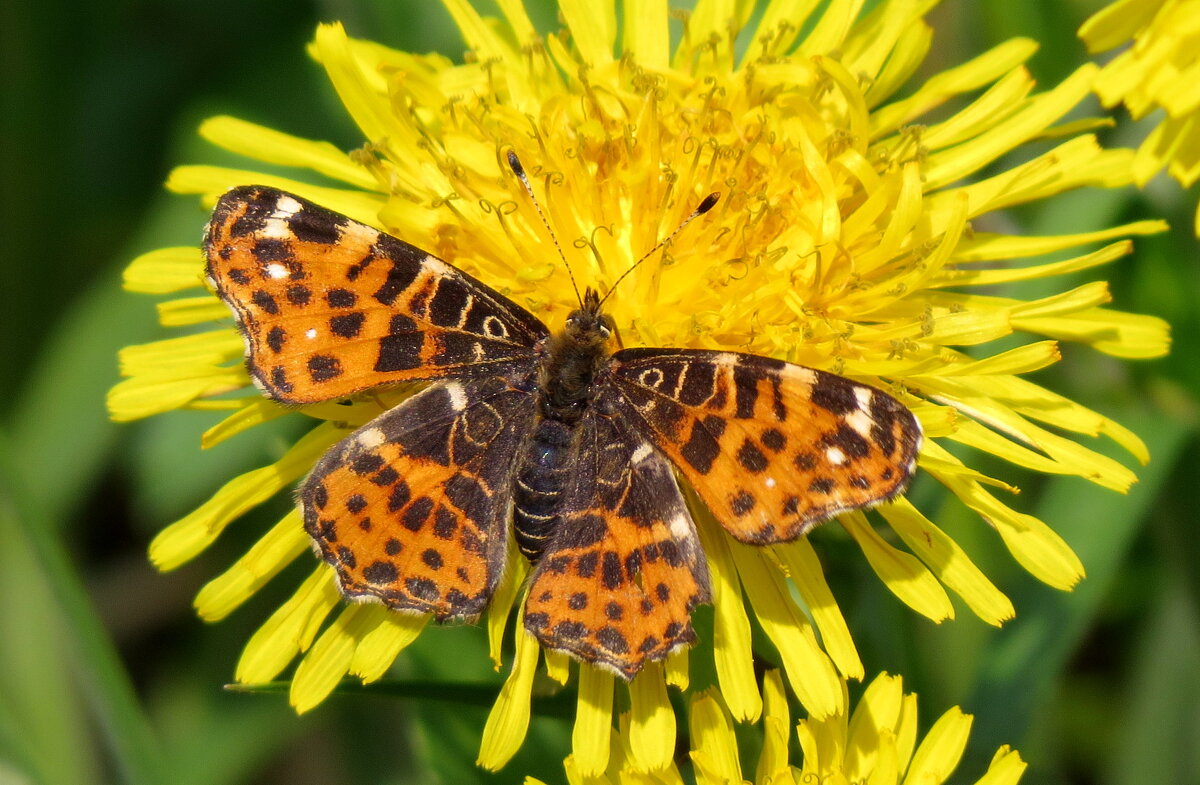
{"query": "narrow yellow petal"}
[(593, 29), (145, 395), (558, 666), (714, 747), (1039, 112), (265, 144), (987, 247), (1006, 768), (1038, 548), (651, 721), (329, 659), (804, 568), (732, 653), (906, 731), (831, 29), (948, 561), (509, 718), (902, 573), (274, 550), (675, 668), (500, 608), (353, 84), (252, 412), (1116, 23), (165, 271), (190, 535), (988, 277), (591, 736), (944, 85), (782, 21), (872, 726), (212, 181), (290, 630), (1126, 335), (191, 310), (158, 357), (646, 35), (379, 647), (940, 751), (809, 671), (773, 766)]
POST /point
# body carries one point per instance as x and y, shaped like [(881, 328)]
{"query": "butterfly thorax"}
[(570, 361), (567, 368)]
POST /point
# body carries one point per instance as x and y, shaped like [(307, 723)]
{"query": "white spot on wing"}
[(310, 333), (276, 228), (835, 456), (276, 270), (370, 438), (681, 526), (458, 398), (643, 452), (286, 207), (860, 421), (769, 482)]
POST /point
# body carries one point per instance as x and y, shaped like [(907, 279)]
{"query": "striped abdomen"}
[(541, 483)]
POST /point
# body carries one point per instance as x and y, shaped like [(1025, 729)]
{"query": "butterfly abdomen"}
[(540, 484)]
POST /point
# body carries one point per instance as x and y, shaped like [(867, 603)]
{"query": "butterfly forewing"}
[(330, 306), (412, 509), (618, 581), (772, 448)]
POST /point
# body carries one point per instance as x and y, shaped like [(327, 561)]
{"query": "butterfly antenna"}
[(709, 202), (515, 164)]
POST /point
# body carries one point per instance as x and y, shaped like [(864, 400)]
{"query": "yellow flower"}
[(842, 241), (876, 743), (1158, 71)]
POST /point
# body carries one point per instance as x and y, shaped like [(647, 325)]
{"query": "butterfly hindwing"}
[(412, 509), (772, 448), (330, 306), (618, 580)]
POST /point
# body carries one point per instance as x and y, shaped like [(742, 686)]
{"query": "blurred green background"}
[(106, 675)]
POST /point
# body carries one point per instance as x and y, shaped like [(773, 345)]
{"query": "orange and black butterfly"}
[(549, 436)]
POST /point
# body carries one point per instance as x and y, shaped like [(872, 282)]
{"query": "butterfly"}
[(552, 438)]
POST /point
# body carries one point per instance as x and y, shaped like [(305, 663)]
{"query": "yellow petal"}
[(1006, 768), (379, 647), (290, 630), (165, 271), (732, 651), (329, 659), (810, 672), (274, 550), (509, 718), (592, 734), (901, 572), (804, 568), (773, 766), (265, 144), (714, 747), (939, 753), (252, 412), (948, 561), (190, 535), (651, 720)]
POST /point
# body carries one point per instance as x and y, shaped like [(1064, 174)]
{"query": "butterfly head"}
[(588, 326)]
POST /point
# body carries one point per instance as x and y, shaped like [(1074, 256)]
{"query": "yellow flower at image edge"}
[(842, 242), (876, 743), (1157, 72)]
